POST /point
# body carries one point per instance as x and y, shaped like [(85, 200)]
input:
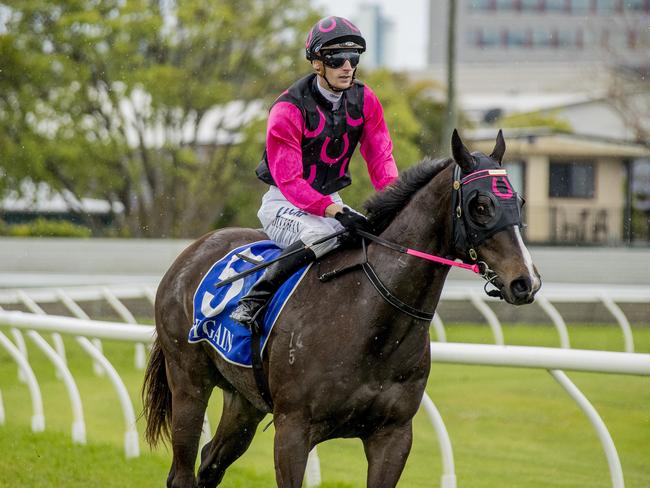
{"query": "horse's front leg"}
[(386, 451), (291, 450)]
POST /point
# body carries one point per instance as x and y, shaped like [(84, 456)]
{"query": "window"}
[(566, 38), (581, 7), (605, 6), (556, 5), (516, 38), (542, 38), (572, 180), (481, 5), (489, 38), (531, 5), (635, 5)]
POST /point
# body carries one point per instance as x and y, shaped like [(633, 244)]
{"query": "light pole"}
[(451, 119)]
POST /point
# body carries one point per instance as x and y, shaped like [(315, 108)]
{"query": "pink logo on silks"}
[(350, 121), (312, 174), (319, 129), (323, 152), (344, 166), (508, 194), (327, 29)]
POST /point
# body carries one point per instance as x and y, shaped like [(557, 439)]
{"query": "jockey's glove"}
[(353, 221)]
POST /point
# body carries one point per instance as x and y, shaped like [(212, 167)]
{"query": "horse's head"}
[(487, 219)]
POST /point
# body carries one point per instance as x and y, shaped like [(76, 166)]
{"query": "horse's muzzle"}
[(522, 290)]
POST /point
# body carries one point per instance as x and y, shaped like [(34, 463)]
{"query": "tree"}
[(117, 100), (535, 119), (414, 120)]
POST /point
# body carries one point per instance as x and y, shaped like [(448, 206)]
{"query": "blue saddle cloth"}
[(213, 306)]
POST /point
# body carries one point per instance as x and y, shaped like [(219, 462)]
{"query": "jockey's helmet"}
[(338, 35)]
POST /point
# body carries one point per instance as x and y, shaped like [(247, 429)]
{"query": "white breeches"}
[(285, 223)]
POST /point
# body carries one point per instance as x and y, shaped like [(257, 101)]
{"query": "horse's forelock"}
[(385, 205)]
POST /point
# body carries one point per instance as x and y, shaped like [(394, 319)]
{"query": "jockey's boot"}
[(276, 274)]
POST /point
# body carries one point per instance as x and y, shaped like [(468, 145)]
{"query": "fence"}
[(552, 359), (573, 222)]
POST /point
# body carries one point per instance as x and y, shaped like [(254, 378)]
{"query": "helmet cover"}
[(333, 30)]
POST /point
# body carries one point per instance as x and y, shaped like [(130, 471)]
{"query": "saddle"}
[(212, 305)]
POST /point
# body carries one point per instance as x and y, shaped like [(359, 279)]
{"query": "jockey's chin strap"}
[(372, 276)]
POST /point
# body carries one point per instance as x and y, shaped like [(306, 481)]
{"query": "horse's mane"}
[(385, 205)]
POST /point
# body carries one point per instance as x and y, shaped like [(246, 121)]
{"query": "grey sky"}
[(410, 21)]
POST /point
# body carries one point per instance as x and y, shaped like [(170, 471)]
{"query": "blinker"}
[(492, 183)]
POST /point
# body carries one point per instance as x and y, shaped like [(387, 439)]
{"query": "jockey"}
[(313, 129)]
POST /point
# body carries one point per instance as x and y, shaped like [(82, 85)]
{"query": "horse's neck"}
[(425, 225)]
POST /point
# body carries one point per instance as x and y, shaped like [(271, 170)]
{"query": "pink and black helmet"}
[(332, 30)]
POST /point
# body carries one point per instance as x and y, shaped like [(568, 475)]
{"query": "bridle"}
[(467, 234)]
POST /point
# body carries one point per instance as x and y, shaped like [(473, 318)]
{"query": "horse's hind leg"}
[(189, 401), (291, 449), (386, 451), (237, 426)]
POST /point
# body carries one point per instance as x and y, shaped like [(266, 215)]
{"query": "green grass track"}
[(509, 427)]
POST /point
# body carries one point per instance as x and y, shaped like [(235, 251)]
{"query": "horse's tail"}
[(156, 398)]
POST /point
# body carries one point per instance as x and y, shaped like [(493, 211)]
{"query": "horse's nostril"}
[(521, 287)]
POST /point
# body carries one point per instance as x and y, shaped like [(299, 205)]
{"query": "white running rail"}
[(515, 356)]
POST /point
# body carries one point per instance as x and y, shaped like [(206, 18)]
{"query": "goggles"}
[(335, 58)]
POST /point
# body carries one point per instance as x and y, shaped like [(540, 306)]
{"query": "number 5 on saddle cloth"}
[(212, 306)]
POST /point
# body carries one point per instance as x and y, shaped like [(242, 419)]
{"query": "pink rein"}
[(418, 254), (437, 259)]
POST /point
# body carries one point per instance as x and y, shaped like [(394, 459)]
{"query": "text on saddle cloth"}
[(212, 306)]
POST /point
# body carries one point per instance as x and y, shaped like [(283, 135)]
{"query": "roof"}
[(545, 141), (40, 198), (522, 102)]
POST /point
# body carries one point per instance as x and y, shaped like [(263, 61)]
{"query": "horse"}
[(343, 361)]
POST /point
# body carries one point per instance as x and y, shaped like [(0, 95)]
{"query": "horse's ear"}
[(460, 153), (499, 148)]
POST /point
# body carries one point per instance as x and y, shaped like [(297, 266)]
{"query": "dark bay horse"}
[(342, 361)]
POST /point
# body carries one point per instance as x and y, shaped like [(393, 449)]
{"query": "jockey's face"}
[(338, 65), (340, 78)]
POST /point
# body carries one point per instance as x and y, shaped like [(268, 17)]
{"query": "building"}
[(584, 63), (540, 45), (378, 31), (578, 188), (36, 201)]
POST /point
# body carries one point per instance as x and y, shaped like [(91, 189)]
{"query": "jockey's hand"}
[(353, 221)]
